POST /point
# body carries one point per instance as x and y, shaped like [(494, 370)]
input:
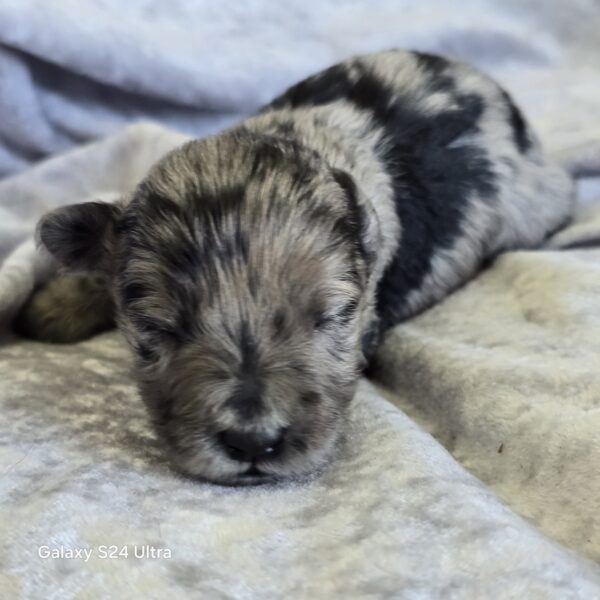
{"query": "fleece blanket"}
[(472, 464)]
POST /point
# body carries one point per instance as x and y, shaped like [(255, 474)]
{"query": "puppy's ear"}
[(362, 215), (80, 236)]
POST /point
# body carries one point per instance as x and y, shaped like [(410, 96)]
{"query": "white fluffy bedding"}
[(472, 466)]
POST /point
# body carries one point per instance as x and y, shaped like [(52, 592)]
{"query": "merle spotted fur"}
[(254, 272)]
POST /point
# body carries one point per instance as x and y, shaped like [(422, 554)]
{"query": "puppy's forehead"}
[(236, 160), (239, 191)]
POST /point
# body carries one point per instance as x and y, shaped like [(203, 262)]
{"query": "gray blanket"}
[(472, 464)]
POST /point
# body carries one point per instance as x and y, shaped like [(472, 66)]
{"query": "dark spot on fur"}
[(298, 368), (279, 322), (181, 257), (216, 206), (321, 321), (146, 354), (133, 292), (285, 129), (266, 156), (432, 63), (321, 88), (126, 223), (432, 182), (318, 315), (248, 350), (319, 214), (310, 398), (518, 125), (157, 207), (298, 444), (149, 325), (163, 415), (247, 399), (370, 342), (240, 242)]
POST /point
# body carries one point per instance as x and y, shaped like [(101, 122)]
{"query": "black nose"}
[(251, 445)]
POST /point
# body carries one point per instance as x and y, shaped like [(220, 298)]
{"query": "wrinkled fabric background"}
[(472, 465)]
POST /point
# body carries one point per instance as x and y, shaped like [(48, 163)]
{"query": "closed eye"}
[(347, 312), (340, 317)]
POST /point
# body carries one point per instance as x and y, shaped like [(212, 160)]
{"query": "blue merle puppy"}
[(254, 272)]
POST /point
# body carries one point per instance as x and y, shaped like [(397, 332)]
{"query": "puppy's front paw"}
[(67, 309)]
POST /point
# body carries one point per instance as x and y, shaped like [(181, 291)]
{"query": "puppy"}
[(253, 272)]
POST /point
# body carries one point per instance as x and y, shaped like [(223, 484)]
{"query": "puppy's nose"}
[(251, 445)]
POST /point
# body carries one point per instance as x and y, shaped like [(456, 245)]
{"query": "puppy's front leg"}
[(68, 308)]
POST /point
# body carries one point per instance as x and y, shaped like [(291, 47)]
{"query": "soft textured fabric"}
[(503, 374), (73, 70)]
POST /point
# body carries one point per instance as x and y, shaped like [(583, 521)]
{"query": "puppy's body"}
[(253, 271), (441, 154)]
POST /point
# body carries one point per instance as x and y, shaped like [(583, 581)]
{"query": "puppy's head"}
[(239, 270)]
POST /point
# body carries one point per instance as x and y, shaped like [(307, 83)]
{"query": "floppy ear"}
[(363, 217), (80, 236)]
